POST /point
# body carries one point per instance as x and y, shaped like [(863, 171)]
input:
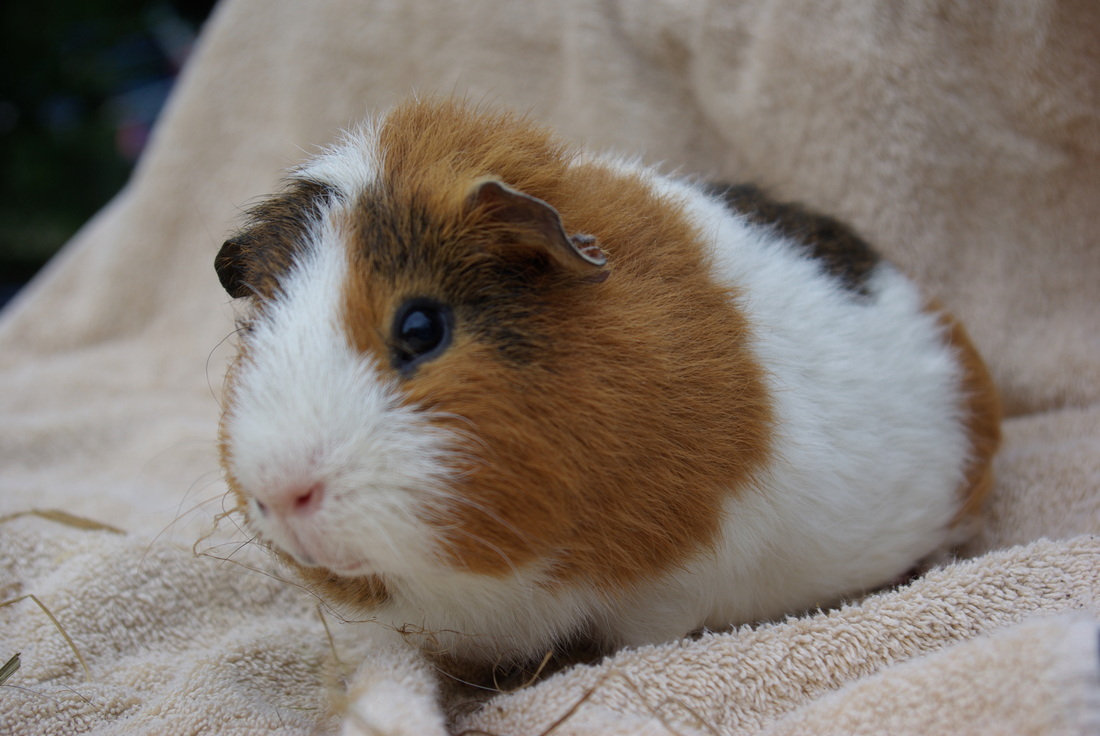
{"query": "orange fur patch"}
[(607, 420), (982, 417)]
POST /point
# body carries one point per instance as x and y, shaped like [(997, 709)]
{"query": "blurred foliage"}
[(83, 82)]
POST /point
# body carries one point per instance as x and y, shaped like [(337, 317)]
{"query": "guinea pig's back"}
[(885, 418)]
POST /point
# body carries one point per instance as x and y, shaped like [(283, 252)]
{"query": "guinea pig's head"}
[(436, 372)]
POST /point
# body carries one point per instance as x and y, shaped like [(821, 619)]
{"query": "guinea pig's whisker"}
[(225, 378), (260, 571), (239, 547), (180, 515)]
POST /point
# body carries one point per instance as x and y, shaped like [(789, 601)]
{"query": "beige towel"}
[(962, 138)]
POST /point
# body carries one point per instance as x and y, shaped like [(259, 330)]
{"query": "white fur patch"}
[(351, 165), (869, 452), (308, 407)]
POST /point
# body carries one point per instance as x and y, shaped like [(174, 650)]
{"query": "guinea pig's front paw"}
[(394, 693)]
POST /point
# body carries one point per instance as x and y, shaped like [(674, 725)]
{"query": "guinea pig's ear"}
[(229, 263), (579, 252)]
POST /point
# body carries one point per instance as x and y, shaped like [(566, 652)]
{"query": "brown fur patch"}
[(252, 261), (356, 593), (982, 417), (843, 254), (607, 420)]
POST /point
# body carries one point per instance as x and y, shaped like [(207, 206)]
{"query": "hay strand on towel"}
[(57, 625), (9, 668), (65, 518)]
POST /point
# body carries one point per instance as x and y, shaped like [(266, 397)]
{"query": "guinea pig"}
[(505, 396)]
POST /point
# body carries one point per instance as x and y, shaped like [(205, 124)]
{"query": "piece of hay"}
[(63, 517), (57, 624), (9, 668)]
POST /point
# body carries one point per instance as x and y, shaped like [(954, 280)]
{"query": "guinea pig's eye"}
[(421, 330)]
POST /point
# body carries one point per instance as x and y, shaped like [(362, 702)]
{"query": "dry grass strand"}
[(57, 625)]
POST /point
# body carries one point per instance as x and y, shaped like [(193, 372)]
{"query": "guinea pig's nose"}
[(295, 499)]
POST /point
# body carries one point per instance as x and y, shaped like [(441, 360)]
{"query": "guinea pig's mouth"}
[(356, 571), (343, 568), (312, 553)]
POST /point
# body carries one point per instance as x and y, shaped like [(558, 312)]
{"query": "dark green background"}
[(83, 81)]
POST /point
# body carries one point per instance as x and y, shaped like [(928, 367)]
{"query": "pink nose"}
[(299, 499)]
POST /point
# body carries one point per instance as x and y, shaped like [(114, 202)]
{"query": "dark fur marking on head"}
[(495, 299), (251, 262), (843, 254)]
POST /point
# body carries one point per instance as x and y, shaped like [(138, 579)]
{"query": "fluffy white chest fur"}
[(342, 472)]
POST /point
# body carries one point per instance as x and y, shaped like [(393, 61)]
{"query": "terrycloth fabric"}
[(177, 644), (963, 139)]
